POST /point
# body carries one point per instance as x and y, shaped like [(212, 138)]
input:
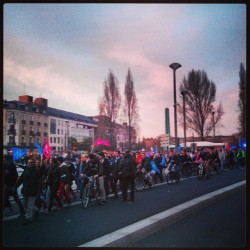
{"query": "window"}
[(50, 139), (23, 116), (31, 117), (53, 126), (54, 139), (58, 131), (58, 140), (38, 118)]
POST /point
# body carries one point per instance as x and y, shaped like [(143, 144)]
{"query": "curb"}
[(143, 228)]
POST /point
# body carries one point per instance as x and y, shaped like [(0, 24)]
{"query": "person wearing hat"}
[(127, 170)]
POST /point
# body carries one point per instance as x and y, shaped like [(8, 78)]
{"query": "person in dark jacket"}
[(53, 182), (127, 170), (10, 179), (30, 179), (114, 169)]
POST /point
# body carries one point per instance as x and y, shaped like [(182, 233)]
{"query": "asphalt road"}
[(74, 226), (221, 224)]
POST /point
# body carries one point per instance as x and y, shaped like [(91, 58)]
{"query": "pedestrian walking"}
[(10, 179), (30, 179)]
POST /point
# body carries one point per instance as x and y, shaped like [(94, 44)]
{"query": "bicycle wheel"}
[(151, 182), (139, 183), (85, 197)]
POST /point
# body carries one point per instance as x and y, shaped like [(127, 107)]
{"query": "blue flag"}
[(18, 153), (179, 148), (154, 167), (163, 161), (40, 149)]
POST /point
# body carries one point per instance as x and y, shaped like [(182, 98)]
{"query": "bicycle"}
[(172, 175), (187, 168), (139, 180), (143, 179), (201, 171), (215, 166), (90, 191)]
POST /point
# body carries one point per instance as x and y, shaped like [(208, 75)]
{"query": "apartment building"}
[(26, 121)]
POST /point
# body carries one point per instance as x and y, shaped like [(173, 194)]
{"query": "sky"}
[(64, 52)]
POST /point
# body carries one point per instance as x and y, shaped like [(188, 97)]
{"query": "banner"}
[(18, 153), (47, 149)]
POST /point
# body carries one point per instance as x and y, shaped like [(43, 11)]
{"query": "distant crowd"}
[(47, 183)]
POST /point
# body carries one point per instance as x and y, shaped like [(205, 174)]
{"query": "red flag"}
[(47, 149)]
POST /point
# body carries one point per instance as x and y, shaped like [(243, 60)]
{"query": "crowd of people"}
[(48, 183)]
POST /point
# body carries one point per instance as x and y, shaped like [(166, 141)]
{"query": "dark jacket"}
[(54, 176), (104, 167), (92, 167), (114, 165), (72, 170), (10, 173), (64, 174), (31, 181), (127, 166)]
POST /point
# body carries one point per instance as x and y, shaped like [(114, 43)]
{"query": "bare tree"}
[(130, 108), (242, 101), (109, 104), (200, 97)]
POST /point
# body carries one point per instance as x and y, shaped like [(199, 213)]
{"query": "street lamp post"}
[(213, 125), (175, 66), (184, 92)]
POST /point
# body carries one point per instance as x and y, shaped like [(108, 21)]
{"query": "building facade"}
[(30, 120), (26, 122)]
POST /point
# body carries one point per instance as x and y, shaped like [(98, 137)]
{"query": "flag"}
[(40, 149), (106, 143), (18, 153), (99, 142), (154, 167), (47, 149), (163, 161), (179, 148)]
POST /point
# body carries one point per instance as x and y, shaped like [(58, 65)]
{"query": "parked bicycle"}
[(90, 191)]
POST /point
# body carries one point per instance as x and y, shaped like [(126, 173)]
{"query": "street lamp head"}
[(174, 66), (184, 92)]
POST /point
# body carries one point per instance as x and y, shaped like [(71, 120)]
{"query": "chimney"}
[(41, 102), (26, 99)]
